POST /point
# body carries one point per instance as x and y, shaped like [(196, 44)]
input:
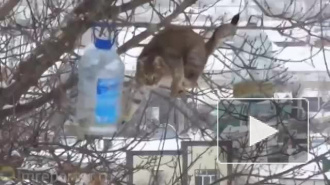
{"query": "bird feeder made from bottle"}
[(252, 64)]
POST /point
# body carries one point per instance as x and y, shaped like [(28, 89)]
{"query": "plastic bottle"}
[(101, 76)]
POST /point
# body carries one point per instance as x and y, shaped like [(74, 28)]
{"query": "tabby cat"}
[(178, 55), (175, 58)]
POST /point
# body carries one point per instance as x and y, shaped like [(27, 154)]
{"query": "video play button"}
[(259, 131)]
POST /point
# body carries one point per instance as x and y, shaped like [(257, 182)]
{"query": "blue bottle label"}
[(108, 101)]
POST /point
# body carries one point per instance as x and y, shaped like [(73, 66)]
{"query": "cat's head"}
[(150, 70)]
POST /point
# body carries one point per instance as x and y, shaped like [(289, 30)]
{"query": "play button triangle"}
[(259, 131)]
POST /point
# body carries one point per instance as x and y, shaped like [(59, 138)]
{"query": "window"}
[(157, 177), (278, 159), (313, 104), (207, 176), (326, 164), (262, 109)]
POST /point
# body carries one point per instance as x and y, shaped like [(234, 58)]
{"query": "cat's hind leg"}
[(177, 88), (175, 67), (193, 68)]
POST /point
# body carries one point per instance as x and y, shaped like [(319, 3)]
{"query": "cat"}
[(175, 57), (178, 55)]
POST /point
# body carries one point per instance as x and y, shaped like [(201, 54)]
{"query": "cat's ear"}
[(158, 62)]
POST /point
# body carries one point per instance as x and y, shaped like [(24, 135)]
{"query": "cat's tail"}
[(235, 19)]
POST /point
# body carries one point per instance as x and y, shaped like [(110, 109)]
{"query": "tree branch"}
[(138, 38), (44, 56), (7, 7), (54, 94)]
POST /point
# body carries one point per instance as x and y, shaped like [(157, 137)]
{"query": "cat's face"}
[(150, 70)]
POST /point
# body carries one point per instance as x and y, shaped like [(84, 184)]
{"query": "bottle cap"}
[(103, 44)]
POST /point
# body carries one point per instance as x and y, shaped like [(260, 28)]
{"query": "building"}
[(194, 163)]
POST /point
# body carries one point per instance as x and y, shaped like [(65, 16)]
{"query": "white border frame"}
[(262, 99)]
